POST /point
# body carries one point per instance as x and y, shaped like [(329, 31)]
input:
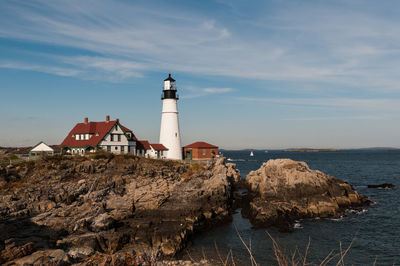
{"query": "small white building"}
[(41, 148), (144, 148)]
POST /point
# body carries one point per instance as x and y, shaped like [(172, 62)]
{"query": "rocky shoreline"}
[(283, 190), (123, 204), (81, 210)]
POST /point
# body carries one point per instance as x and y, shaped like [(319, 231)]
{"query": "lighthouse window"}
[(176, 134)]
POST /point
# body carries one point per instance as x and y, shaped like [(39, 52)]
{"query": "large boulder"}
[(284, 190)]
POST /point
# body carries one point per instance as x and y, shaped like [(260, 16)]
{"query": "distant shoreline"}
[(310, 150)]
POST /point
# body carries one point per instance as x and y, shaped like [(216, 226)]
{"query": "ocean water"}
[(374, 231)]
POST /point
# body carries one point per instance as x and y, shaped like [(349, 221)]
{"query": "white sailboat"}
[(251, 154)]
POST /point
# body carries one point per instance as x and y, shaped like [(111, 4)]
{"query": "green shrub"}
[(101, 154), (129, 156), (55, 158), (12, 156)]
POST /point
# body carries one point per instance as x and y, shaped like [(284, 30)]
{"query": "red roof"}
[(98, 129), (200, 144), (143, 145), (159, 147), (128, 130)]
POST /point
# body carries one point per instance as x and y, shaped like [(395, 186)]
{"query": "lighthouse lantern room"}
[(169, 132)]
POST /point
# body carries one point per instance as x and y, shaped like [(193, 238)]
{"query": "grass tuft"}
[(193, 169)]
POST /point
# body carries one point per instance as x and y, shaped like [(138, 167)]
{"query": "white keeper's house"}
[(109, 135)]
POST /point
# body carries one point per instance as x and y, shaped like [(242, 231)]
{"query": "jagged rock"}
[(284, 190), (12, 252), (80, 252), (88, 240), (47, 257), (83, 205), (102, 222)]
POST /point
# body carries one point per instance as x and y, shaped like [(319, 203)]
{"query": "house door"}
[(188, 155)]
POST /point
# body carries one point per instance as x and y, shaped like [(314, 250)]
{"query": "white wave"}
[(337, 219), (235, 160), (358, 212), (297, 225)]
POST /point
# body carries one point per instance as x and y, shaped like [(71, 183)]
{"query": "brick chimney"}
[(107, 118), (86, 120)]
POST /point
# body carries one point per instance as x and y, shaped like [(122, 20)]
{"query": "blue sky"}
[(259, 74)]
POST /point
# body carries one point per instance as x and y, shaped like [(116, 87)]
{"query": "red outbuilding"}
[(200, 151)]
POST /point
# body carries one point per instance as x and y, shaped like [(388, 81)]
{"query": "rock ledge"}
[(284, 190)]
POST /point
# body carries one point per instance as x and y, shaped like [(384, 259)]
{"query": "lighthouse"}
[(170, 136)]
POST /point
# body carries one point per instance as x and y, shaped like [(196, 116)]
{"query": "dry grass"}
[(283, 258), (101, 154), (193, 169), (14, 185)]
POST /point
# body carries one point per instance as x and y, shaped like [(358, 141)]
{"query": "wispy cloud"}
[(310, 43), (196, 92), (117, 69), (85, 67), (217, 90), (338, 118), (60, 71), (354, 103)]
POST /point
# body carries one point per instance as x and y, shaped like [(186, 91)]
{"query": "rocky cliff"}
[(283, 190), (78, 208)]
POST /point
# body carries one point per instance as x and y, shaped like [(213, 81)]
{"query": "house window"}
[(111, 137), (129, 148), (108, 148), (116, 148), (77, 136), (119, 137), (122, 148)]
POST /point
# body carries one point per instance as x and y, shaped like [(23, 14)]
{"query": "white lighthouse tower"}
[(170, 136)]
